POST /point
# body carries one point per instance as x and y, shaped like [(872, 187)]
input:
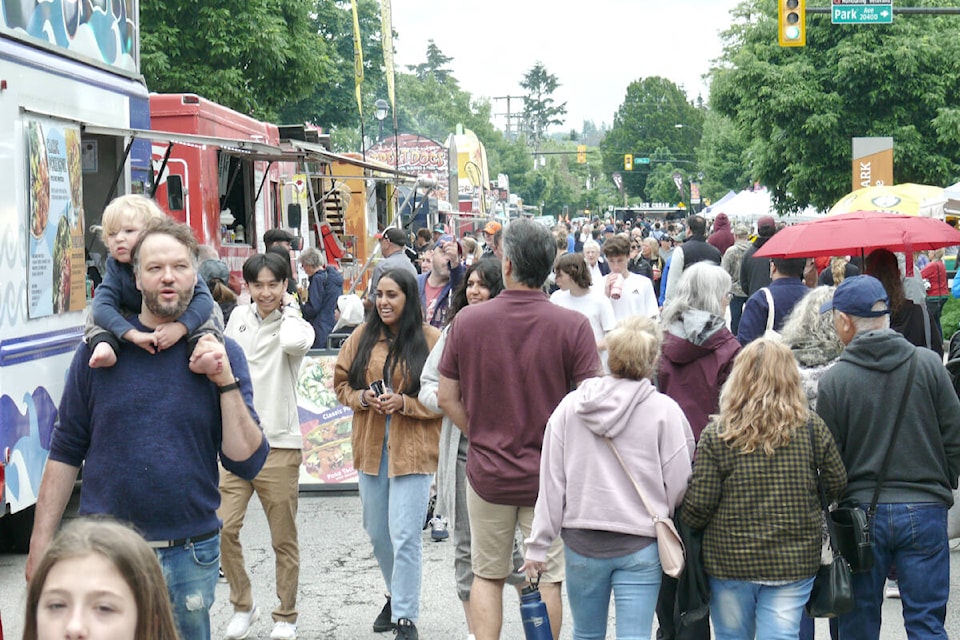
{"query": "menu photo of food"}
[(39, 180), (325, 425)]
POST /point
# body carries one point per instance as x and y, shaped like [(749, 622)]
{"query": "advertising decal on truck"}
[(56, 276)]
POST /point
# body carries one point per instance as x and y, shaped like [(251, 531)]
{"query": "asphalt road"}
[(341, 591)]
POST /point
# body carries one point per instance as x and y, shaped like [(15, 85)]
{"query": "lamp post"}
[(380, 114)]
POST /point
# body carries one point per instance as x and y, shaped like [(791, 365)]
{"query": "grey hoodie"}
[(651, 434), (858, 399)]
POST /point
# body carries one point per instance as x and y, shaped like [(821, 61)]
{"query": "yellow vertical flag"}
[(386, 36), (357, 56)]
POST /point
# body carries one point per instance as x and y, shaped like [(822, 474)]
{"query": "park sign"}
[(861, 12)]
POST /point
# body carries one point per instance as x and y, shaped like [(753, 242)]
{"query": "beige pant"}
[(277, 486)]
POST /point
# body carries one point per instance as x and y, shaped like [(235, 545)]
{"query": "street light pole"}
[(380, 114)]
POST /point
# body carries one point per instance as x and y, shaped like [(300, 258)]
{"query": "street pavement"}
[(341, 591)]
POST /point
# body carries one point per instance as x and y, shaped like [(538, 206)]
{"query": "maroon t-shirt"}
[(515, 357)]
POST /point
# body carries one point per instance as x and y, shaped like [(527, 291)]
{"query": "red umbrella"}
[(859, 232)]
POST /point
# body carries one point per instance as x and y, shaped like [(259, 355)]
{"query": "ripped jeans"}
[(191, 573)]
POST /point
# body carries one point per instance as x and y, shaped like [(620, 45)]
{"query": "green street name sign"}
[(862, 14), (642, 160)]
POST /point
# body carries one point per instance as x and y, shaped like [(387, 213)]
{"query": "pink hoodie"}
[(582, 486)]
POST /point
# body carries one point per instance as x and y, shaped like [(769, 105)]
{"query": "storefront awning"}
[(320, 152)]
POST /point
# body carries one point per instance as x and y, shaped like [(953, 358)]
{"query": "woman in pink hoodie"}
[(609, 539)]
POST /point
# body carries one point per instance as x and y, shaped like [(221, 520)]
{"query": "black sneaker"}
[(383, 621), (406, 630)]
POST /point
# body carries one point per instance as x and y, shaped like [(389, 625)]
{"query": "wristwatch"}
[(229, 387)]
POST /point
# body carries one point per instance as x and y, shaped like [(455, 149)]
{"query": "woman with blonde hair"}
[(754, 493), (98, 579), (588, 498)]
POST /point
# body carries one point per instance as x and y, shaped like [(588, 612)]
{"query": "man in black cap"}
[(273, 237), (755, 272), (392, 244)]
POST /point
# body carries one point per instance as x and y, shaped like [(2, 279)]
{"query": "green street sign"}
[(862, 14), (642, 160)]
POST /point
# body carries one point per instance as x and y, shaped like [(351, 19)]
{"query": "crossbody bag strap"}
[(770, 313), (831, 531), (893, 438), (643, 498)]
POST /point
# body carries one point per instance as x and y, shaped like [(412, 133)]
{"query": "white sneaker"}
[(240, 623), (283, 631), (892, 589)]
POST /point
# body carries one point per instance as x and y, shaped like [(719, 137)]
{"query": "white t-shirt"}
[(598, 310), (636, 299)]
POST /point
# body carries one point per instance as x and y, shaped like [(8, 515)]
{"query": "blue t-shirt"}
[(148, 433)]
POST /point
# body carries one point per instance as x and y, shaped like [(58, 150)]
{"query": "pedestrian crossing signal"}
[(628, 162)]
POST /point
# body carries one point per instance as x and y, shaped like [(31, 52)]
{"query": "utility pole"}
[(509, 114)]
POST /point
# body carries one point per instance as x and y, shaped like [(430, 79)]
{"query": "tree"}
[(722, 157), (539, 110), (253, 56), (655, 115), (332, 104), (798, 108), (433, 65)]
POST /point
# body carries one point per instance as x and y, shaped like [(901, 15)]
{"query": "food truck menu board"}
[(325, 425)]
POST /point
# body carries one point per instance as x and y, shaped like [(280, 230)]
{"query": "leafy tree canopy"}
[(647, 121), (539, 109), (254, 56), (798, 108)]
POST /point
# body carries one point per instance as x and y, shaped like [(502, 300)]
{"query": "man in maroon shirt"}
[(506, 366)]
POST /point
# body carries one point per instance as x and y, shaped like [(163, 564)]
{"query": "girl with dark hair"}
[(378, 377), (910, 320), (574, 279), (482, 281)]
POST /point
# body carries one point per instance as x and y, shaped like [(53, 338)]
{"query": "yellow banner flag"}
[(386, 31), (357, 56)]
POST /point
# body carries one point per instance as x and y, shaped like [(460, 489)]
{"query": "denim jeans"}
[(914, 538), (742, 610), (393, 513), (191, 575), (635, 582), (736, 312)]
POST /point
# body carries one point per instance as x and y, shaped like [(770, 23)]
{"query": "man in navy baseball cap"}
[(858, 296)]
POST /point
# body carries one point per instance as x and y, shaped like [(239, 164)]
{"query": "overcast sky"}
[(595, 48)]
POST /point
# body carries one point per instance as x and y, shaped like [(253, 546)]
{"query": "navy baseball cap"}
[(856, 296)]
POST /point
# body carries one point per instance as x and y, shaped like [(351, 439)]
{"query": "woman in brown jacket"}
[(395, 439)]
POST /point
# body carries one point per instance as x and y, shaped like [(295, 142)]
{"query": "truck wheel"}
[(15, 530)]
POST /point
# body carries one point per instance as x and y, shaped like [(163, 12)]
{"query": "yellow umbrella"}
[(907, 198)]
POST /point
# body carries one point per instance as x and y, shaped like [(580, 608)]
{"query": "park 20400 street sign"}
[(861, 12)]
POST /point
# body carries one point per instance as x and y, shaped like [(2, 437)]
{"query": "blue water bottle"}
[(533, 613)]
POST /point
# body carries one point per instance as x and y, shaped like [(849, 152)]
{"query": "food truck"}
[(60, 73)]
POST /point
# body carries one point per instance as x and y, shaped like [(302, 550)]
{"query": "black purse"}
[(851, 524), (832, 592)]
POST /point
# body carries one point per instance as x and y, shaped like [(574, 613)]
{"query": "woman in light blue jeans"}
[(609, 538), (754, 493)]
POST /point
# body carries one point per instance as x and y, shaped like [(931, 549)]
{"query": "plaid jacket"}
[(761, 514)]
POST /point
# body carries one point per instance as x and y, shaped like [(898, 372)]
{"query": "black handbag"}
[(832, 592), (851, 524)]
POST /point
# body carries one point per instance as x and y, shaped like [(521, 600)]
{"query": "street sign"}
[(861, 12), (642, 160)]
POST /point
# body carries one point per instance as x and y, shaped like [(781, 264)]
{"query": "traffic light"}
[(792, 24), (581, 153), (628, 162)]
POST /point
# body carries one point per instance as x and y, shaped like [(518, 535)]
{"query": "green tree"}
[(722, 157), (332, 104), (798, 108), (433, 65), (539, 109), (655, 115), (254, 56)]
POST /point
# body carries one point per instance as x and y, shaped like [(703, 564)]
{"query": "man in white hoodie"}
[(274, 337)]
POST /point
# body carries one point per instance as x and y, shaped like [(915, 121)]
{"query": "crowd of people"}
[(560, 389)]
